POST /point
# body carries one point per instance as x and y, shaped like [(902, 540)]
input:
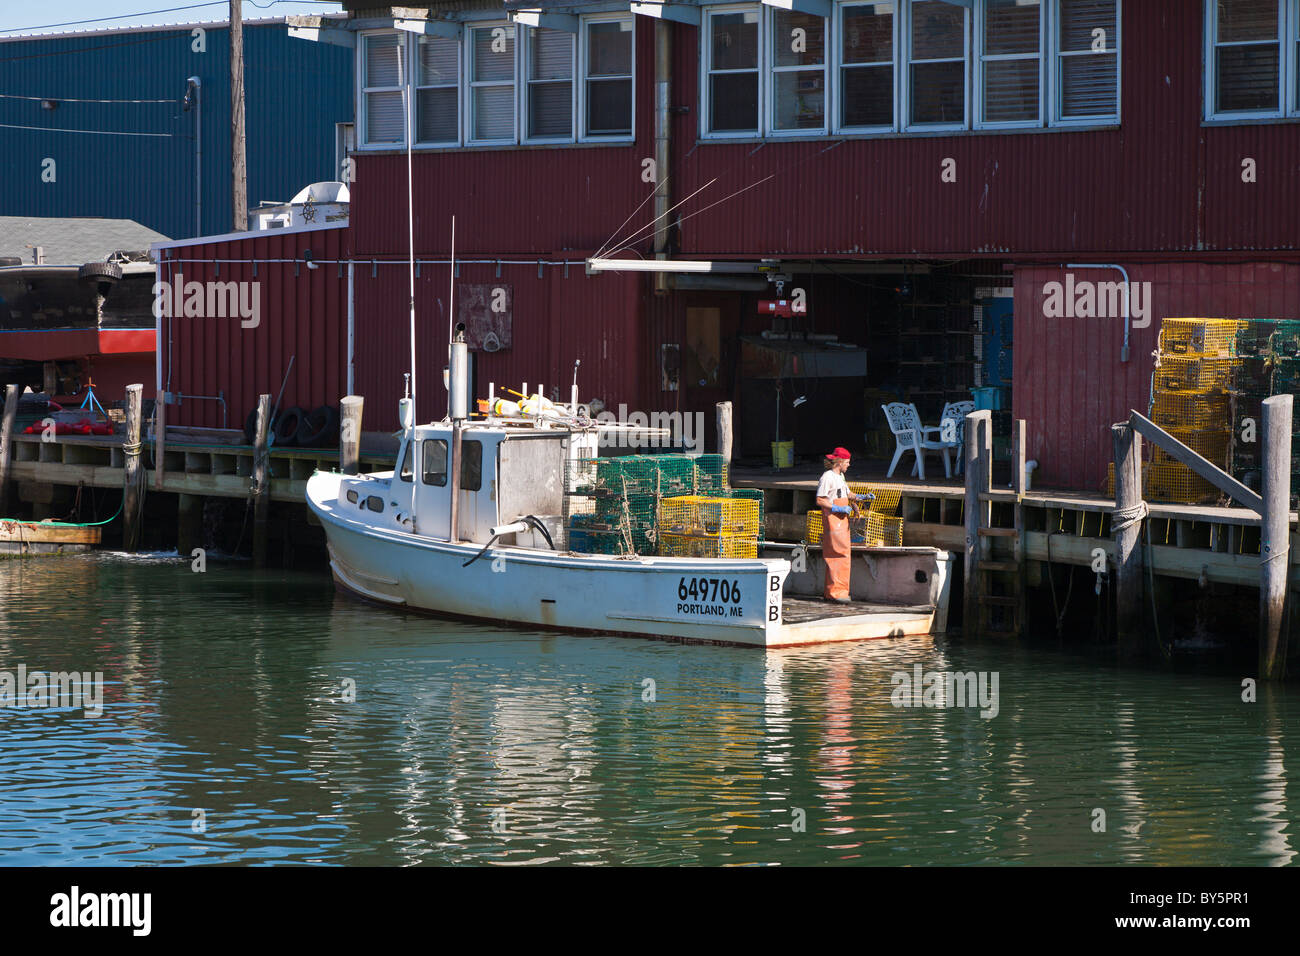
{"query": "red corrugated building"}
[(910, 168)]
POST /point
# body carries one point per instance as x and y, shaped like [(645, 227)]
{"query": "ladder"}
[(995, 589)]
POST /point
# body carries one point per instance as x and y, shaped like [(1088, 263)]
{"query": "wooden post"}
[(1018, 485), (12, 394), (1018, 456), (238, 165), (725, 438), (159, 441), (132, 484), (1126, 530), (189, 524), (977, 464), (1275, 532), (261, 480), (350, 434)]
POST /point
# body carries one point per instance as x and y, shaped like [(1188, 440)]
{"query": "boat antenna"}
[(410, 206), (451, 296)]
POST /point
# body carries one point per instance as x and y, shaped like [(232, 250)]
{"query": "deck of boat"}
[(802, 610)]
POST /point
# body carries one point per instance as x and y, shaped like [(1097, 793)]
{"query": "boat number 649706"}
[(709, 589)]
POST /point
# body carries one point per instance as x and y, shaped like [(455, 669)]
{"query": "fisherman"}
[(833, 497)]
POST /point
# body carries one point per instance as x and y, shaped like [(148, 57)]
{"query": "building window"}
[(1252, 69), (937, 64), (866, 66), (492, 84), (550, 84), (607, 78), (437, 92), (1010, 63), (798, 57), (381, 90), (1087, 77), (731, 38)]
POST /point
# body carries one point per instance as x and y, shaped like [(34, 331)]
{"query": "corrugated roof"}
[(155, 28), (73, 241)]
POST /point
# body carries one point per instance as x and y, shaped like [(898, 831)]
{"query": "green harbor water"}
[(228, 735)]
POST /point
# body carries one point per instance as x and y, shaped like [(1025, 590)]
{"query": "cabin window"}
[(352, 496), (381, 90), (1252, 70), (867, 66), (1087, 61), (798, 82), (936, 68), (407, 471), (550, 84), (731, 40), (1010, 75), (471, 465), (375, 503), (492, 83), (435, 461), (607, 78), (437, 93)]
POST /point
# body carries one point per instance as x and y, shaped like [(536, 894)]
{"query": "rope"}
[(1127, 517), (64, 524), (1281, 552)]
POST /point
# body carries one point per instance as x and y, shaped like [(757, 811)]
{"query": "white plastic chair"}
[(956, 412), (909, 435)]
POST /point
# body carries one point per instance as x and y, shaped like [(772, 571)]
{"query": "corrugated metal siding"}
[(303, 315), (295, 93), (1069, 382)]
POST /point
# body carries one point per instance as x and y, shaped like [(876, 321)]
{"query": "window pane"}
[(435, 461), (471, 465), (798, 39), (550, 109), (1246, 78), (609, 49), (869, 33), (406, 472), (550, 55), (494, 112), (938, 30), (733, 102), (1011, 26), (384, 118), (735, 40), (869, 96), (1241, 20), (494, 53), (1088, 86), (609, 107), (1010, 90), (939, 92), (381, 61), (437, 61), (1079, 18), (800, 99), (436, 117)]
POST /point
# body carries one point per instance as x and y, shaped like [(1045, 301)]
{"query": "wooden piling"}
[(1275, 532), (132, 483), (12, 395), (725, 434), (350, 434), (1126, 530), (160, 442), (977, 464), (261, 481), (189, 524)]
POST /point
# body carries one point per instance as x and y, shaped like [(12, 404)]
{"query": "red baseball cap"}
[(840, 453)]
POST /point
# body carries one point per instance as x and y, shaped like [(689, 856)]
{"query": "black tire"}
[(286, 429), (100, 271), (320, 428), (250, 428)]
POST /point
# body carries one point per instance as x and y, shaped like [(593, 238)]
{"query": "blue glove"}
[(842, 510)]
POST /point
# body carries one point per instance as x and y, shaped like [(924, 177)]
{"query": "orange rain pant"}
[(836, 551)]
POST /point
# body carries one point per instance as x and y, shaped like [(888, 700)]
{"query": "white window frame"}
[(767, 76), (363, 125), (524, 69), (980, 58), (905, 79), (1056, 88), (469, 84), (1288, 29), (836, 88), (581, 82), (706, 61), (415, 95)]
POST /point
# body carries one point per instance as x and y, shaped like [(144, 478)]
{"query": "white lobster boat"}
[(477, 542)]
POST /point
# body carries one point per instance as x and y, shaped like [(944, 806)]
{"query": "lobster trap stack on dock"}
[(1270, 365)]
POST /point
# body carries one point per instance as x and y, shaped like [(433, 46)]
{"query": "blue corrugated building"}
[(94, 123)]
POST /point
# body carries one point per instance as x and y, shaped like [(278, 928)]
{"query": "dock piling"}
[(724, 432), (189, 524), (1126, 530), (1275, 529), (261, 480), (12, 393), (977, 465), (132, 483), (350, 434)]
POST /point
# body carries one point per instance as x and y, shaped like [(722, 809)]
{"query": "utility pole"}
[(238, 157)]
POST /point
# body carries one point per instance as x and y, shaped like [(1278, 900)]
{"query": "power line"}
[(100, 132), (86, 49), (150, 13), (73, 99)]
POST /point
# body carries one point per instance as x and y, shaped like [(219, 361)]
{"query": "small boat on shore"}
[(467, 527)]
